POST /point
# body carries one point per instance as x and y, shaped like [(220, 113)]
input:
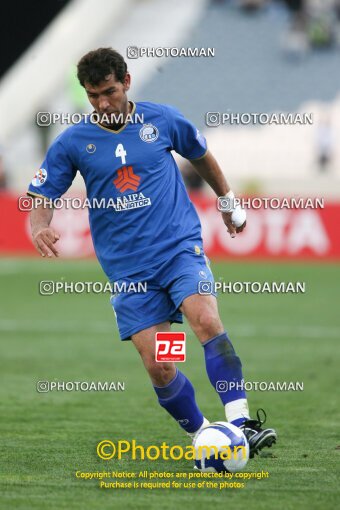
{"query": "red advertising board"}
[(310, 233)]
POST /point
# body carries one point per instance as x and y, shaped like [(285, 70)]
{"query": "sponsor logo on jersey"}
[(133, 201), (126, 179), (149, 133), (39, 177), (91, 148)]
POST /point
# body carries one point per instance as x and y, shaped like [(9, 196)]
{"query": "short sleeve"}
[(56, 174), (185, 138)]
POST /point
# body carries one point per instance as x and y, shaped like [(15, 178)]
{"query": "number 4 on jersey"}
[(121, 153)]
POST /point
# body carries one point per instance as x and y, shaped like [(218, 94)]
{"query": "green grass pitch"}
[(45, 438)]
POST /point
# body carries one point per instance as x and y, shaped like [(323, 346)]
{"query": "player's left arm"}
[(187, 141), (211, 172)]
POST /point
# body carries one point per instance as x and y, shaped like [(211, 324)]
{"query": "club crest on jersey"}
[(91, 148), (149, 133), (39, 177)]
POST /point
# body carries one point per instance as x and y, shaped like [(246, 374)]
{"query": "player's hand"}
[(44, 240), (230, 226)]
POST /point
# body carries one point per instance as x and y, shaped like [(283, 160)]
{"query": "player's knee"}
[(209, 323), (160, 373)]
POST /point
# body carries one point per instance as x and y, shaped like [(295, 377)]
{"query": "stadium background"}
[(269, 57)]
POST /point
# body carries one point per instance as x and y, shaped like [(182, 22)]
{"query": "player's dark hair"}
[(96, 65)]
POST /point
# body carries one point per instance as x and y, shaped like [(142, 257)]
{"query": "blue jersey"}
[(148, 216)]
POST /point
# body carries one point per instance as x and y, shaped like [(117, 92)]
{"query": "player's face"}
[(109, 96)]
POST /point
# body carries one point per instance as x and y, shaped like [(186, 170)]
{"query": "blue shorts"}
[(154, 295)]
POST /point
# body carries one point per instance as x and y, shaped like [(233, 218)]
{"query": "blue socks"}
[(178, 398), (224, 370)]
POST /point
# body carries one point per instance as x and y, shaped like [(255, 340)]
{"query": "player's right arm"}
[(49, 183), (43, 235)]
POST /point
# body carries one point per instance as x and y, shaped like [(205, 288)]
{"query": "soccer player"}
[(151, 234)]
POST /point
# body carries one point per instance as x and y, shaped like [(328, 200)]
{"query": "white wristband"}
[(227, 204), (238, 216)]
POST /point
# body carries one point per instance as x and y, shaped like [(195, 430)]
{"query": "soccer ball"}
[(221, 447)]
